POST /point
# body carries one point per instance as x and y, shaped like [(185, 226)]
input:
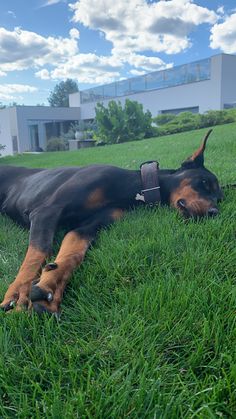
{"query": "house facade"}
[(203, 85), (27, 128), (208, 84)]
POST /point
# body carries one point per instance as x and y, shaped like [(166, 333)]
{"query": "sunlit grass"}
[(148, 322)]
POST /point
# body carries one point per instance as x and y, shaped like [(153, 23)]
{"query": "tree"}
[(111, 122), (138, 123), (59, 96)]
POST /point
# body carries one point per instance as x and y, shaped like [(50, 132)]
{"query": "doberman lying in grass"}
[(82, 201)]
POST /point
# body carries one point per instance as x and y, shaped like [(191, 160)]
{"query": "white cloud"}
[(52, 2), (20, 49), (137, 26), (86, 68), (74, 33), (133, 28), (10, 92), (11, 13), (54, 58), (221, 10), (147, 63), (43, 74), (91, 68), (223, 35), (138, 72)]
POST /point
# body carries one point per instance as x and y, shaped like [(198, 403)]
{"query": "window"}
[(193, 109), (183, 74)]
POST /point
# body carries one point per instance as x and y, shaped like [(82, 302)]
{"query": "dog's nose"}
[(212, 212)]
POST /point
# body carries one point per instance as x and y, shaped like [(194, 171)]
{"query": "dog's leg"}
[(56, 275), (43, 225)]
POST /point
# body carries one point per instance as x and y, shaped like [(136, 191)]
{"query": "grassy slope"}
[(148, 321)]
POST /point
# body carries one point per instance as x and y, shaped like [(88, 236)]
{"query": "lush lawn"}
[(148, 325)]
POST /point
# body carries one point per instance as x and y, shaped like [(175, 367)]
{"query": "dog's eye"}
[(205, 184)]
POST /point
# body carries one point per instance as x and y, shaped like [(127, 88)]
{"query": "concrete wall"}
[(5, 132), (15, 122), (205, 94), (27, 115), (228, 92), (74, 100)]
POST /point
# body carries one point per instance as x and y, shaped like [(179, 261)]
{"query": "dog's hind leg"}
[(43, 225), (56, 275)]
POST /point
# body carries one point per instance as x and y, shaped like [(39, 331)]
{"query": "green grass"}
[(148, 325)]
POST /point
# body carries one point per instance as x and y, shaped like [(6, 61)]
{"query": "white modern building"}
[(203, 85), (27, 128), (208, 84)]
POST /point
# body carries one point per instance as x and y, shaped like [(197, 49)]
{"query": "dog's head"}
[(196, 190)]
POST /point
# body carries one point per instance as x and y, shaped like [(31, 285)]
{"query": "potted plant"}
[(79, 130)]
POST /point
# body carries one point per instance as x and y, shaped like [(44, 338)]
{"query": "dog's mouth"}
[(195, 210)]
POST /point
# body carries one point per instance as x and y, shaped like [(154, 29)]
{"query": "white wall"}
[(5, 132), (26, 114), (205, 94), (228, 94), (74, 99)]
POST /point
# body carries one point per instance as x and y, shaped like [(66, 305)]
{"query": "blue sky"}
[(98, 41)]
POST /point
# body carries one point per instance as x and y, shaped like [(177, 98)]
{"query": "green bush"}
[(211, 118), (2, 147), (88, 128), (187, 121), (117, 125), (56, 144), (163, 118)]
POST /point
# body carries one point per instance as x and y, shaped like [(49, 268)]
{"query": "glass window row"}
[(187, 73)]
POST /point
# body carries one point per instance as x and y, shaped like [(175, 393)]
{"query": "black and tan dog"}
[(82, 201)]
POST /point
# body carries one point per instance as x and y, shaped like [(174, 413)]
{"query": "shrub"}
[(137, 122), (163, 118), (111, 122), (56, 144), (88, 128), (211, 118), (117, 125), (2, 147), (187, 121)]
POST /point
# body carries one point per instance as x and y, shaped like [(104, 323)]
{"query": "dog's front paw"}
[(44, 301), (16, 298)]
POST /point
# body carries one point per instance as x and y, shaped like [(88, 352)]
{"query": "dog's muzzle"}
[(189, 212)]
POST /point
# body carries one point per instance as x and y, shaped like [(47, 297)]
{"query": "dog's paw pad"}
[(40, 309), (37, 294)]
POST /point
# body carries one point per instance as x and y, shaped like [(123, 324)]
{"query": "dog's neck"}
[(166, 182)]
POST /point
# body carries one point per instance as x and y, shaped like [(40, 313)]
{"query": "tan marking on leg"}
[(96, 199), (117, 214), (71, 255), (19, 289)]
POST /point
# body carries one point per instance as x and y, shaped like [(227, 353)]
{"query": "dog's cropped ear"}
[(197, 159)]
